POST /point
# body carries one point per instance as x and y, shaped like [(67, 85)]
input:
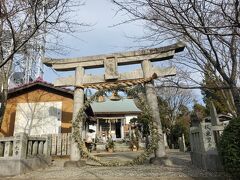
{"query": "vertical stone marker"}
[(20, 145)]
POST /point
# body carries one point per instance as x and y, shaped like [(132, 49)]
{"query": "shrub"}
[(229, 148)]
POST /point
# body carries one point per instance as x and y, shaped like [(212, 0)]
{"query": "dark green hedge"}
[(229, 148)]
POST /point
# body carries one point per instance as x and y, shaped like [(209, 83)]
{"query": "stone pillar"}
[(214, 117), (29, 149), (8, 149), (153, 104), (35, 148), (215, 122), (47, 146), (20, 145), (1, 149), (78, 103), (98, 130), (40, 147), (181, 142), (165, 140), (122, 128)]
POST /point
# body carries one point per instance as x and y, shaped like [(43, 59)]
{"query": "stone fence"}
[(22, 153)]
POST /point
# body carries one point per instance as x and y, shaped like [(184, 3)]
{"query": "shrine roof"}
[(123, 106)]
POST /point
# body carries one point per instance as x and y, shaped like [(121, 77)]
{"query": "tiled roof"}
[(41, 82)]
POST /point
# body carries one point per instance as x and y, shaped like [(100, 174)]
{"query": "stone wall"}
[(20, 154)]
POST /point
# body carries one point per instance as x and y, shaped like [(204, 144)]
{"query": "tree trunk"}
[(3, 99), (4, 76)]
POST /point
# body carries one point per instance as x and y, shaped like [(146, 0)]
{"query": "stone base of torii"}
[(111, 62)]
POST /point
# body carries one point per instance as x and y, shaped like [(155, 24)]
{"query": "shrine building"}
[(113, 118)]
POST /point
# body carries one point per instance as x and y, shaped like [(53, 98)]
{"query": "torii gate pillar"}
[(153, 104), (77, 104)]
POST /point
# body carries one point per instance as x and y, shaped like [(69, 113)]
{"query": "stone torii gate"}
[(110, 62)]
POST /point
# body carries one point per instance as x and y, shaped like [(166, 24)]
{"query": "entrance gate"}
[(111, 77)]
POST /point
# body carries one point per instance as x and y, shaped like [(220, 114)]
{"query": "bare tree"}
[(23, 20), (175, 99), (209, 28)]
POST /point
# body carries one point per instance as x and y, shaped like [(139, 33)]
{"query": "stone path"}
[(181, 169)]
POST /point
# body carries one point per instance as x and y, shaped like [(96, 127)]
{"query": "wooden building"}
[(39, 108)]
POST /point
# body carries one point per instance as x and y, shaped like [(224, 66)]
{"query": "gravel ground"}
[(181, 169)]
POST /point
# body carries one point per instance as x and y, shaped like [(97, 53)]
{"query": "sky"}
[(101, 38), (104, 36)]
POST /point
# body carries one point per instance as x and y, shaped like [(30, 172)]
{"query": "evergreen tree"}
[(220, 97)]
